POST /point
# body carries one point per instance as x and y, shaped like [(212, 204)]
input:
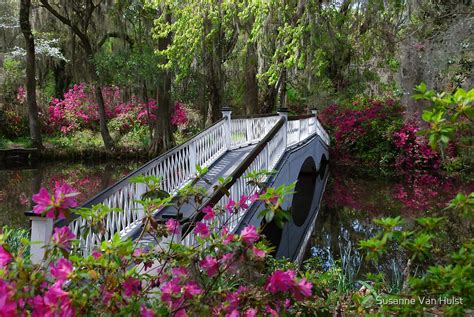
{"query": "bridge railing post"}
[(192, 157), (226, 114), (41, 232), (283, 112)]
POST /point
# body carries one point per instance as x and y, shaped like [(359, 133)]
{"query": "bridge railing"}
[(175, 168), (299, 128), (249, 130), (264, 156), (178, 166)]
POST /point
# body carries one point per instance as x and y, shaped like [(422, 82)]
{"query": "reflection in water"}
[(354, 197), (18, 185)]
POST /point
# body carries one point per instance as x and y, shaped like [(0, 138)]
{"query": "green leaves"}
[(447, 114)]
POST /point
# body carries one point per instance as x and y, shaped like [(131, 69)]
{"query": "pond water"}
[(354, 197), (18, 185)]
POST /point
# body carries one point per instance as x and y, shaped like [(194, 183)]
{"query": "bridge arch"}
[(304, 192)]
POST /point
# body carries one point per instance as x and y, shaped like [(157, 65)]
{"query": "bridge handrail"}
[(176, 167), (265, 155), (246, 131)]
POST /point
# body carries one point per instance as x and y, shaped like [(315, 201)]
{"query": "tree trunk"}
[(104, 130), (251, 84), (35, 133), (215, 85), (282, 89), (163, 133)]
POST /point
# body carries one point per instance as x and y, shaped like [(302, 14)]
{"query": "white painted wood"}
[(41, 232)]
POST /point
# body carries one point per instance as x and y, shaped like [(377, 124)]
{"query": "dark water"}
[(355, 196), (18, 185)]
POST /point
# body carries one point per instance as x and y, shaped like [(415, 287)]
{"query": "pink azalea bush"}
[(414, 151), (78, 110), (224, 274)]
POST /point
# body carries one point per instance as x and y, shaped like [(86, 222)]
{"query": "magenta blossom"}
[(302, 289), (55, 302), (243, 202), (62, 237), (249, 234), (172, 225), (179, 271), (230, 205), (191, 289), (7, 302), (208, 213), (258, 252), (55, 205), (280, 281), (61, 270), (146, 312), (5, 257), (202, 229), (251, 312), (210, 265), (131, 286)]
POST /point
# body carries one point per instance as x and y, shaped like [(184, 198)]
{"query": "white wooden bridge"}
[(296, 147)]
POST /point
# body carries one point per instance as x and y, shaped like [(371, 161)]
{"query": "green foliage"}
[(448, 113), (13, 73)]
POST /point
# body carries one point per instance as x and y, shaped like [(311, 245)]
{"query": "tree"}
[(163, 135), (78, 17), (35, 134), (209, 42)]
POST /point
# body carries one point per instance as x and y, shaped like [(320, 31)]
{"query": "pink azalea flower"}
[(302, 289), (96, 254), (62, 237), (7, 303), (209, 213), (243, 202), (61, 270), (191, 289), (132, 286), (181, 313), (258, 252), (280, 281), (56, 301), (253, 197), (230, 205), (179, 271), (202, 229), (271, 311), (5, 257), (172, 225), (249, 234), (226, 257), (146, 312), (209, 264), (55, 205), (169, 290), (234, 313), (251, 312)]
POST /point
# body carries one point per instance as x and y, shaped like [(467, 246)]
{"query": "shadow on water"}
[(354, 197), (17, 185)]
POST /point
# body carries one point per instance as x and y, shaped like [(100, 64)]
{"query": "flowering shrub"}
[(179, 117), (78, 110), (414, 152), (223, 274), (364, 130)]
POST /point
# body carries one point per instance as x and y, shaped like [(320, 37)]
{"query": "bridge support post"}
[(283, 112), (314, 111), (41, 232), (226, 114)]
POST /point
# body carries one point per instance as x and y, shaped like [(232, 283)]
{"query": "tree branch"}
[(119, 35)]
